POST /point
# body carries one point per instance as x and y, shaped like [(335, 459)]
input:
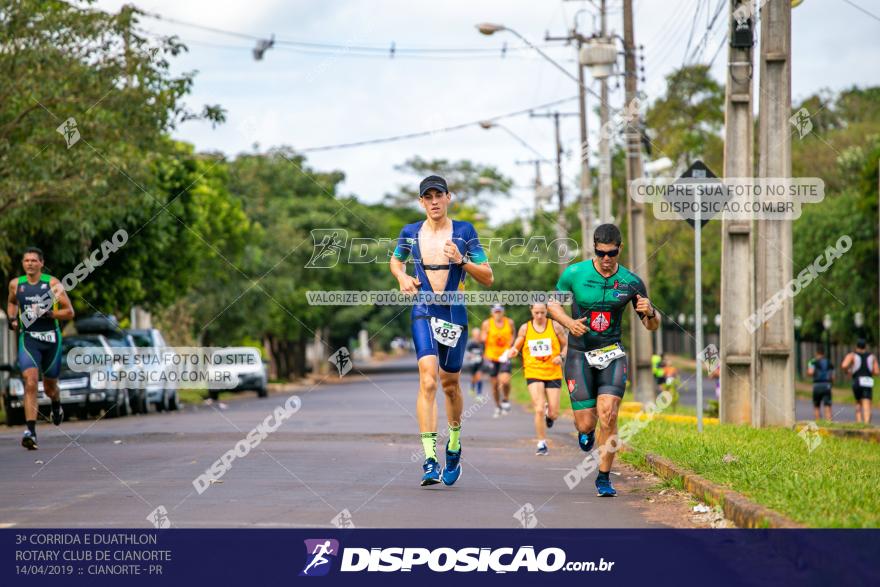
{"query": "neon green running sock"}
[(429, 444), (454, 434)]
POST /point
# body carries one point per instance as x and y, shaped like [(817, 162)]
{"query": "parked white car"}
[(246, 367)]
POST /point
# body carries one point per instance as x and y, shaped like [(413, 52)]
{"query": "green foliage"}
[(471, 184)]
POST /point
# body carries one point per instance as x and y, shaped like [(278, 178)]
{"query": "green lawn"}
[(835, 485)]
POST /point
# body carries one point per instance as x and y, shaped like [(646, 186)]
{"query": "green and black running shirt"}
[(601, 299)]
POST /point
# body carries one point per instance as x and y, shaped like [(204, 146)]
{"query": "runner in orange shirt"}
[(497, 333), (543, 344)]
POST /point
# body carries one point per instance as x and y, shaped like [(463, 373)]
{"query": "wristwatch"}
[(464, 261)]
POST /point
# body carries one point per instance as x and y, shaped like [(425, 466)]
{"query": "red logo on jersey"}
[(600, 321), (572, 385), (616, 284)]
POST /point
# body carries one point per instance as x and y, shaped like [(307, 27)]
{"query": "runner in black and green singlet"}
[(601, 289), (35, 304)]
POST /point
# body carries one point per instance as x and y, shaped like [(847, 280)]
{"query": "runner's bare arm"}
[(876, 367), (558, 314), (847, 361), (12, 306), (563, 339), (520, 339), (481, 272), (648, 313), (65, 309), (408, 283), (484, 330)]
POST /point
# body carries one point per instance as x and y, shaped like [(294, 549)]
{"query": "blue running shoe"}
[(432, 472), (542, 451), (586, 440), (604, 488), (452, 470)]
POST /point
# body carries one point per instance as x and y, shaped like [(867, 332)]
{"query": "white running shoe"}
[(497, 413)]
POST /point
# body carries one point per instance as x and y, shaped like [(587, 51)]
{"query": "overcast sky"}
[(308, 100)]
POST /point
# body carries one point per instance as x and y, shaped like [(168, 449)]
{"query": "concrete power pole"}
[(605, 209), (773, 399), (640, 365), (539, 185), (737, 257), (561, 224), (585, 210)]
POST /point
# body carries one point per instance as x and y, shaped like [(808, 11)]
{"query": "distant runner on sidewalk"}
[(821, 370), (862, 365)]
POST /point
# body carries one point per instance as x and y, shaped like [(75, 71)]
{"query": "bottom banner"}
[(512, 557)]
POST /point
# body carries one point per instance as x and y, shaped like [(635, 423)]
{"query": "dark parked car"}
[(164, 397), (107, 326), (79, 396)]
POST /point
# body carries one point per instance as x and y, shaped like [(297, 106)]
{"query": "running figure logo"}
[(342, 360), (317, 551), (69, 131), (327, 245)]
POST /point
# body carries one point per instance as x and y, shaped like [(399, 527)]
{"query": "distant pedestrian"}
[(862, 365), (821, 370)]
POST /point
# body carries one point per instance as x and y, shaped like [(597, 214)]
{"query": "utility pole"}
[(737, 254), (561, 224), (538, 183), (585, 211), (773, 398), (605, 209), (643, 388)]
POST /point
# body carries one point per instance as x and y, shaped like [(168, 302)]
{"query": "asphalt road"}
[(348, 454), (841, 412)]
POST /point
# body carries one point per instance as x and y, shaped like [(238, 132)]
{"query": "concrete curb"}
[(738, 509), (864, 435)]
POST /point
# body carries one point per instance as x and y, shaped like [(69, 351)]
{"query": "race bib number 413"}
[(540, 347), (446, 333)]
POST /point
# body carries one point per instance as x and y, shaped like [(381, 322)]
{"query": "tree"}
[(85, 105), (471, 184)]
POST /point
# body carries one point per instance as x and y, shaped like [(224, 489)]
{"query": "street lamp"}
[(827, 323), (489, 124), (859, 321), (798, 322), (488, 28), (717, 320)]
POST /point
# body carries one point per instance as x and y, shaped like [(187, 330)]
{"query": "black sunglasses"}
[(603, 254)]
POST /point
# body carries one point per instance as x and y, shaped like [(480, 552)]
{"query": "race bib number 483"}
[(446, 333)]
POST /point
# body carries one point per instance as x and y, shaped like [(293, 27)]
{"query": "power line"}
[(710, 27), (415, 135), (389, 49), (693, 31), (344, 53)]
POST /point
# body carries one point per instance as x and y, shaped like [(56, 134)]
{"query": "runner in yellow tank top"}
[(543, 344), (498, 334)]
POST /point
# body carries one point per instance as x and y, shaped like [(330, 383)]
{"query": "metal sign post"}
[(699, 172)]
